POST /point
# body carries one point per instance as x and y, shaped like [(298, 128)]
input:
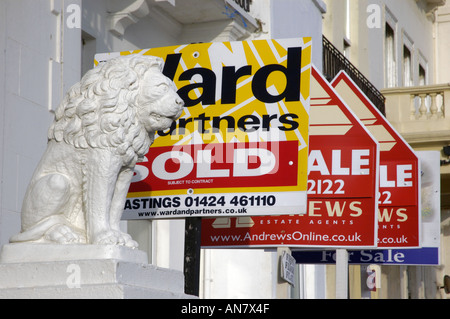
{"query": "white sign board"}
[(287, 267)]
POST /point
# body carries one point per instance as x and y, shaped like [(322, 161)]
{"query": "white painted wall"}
[(293, 18), (443, 44), (39, 59)]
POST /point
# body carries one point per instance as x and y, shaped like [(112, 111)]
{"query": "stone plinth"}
[(84, 271)]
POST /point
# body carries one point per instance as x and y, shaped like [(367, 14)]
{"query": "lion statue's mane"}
[(100, 111)]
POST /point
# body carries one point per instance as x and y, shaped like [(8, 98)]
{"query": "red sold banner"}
[(225, 164), (399, 218), (342, 187)]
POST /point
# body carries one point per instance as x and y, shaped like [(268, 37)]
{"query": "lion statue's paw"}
[(62, 234), (115, 237)]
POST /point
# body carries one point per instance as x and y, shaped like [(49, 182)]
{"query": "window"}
[(407, 67), (422, 76), (390, 65)]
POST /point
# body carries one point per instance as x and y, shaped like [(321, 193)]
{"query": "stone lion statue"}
[(104, 125)]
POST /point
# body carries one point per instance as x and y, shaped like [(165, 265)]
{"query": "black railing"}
[(244, 4), (334, 61)]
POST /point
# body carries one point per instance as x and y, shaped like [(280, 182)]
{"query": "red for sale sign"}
[(342, 188), (399, 217)]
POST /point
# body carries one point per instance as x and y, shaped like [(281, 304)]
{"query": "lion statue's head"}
[(118, 105)]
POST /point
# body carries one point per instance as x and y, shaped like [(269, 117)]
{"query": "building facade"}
[(399, 46)]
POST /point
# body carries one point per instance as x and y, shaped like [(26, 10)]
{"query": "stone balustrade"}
[(420, 113)]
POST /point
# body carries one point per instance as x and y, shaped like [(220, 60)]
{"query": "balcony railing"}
[(334, 61), (420, 113)]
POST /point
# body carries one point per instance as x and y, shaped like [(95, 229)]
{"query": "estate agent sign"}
[(241, 144), (399, 217)]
